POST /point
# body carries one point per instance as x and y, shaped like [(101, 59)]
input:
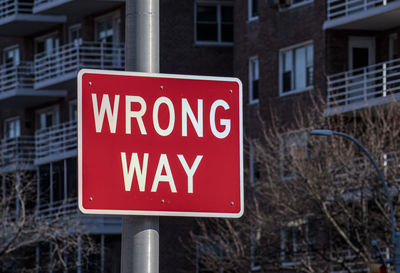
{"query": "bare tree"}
[(23, 228), (316, 203)]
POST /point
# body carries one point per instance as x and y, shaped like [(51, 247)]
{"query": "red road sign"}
[(159, 144)]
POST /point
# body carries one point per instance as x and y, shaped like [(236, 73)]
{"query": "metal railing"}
[(56, 139), (341, 8), (67, 211), (360, 165), (41, 2), (18, 151), (352, 261), (365, 84), (71, 57), (58, 209), (16, 76), (11, 7)]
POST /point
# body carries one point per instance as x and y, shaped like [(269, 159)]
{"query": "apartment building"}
[(43, 45), (317, 45), (291, 51), (284, 51)]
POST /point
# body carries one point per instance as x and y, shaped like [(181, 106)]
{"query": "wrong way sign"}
[(159, 144)]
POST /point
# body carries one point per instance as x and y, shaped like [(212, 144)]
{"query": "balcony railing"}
[(341, 8), (41, 2), (367, 86), (17, 152), (14, 77), (59, 140), (67, 211), (74, 8), (12, 7), (58, 209), (346, 178), (66, 60), (352, 261)]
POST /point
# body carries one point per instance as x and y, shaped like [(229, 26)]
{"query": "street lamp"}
[(395, 234)]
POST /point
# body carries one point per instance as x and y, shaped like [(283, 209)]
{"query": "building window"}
[(293, 3), (293, 147), (393, 46), (253, 9), (254, 76), (255, 237), (75, 35), (296, 69), (254, 165), (47, 117), (108, 28), (12, 128), (11, 56), (73, 112), (57, 182), (205, 250), (47, 44), (296, 242), (214, 24)]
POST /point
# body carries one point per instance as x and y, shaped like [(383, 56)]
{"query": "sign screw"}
[(90, 83), (232, 203), (230, 91), (162, 201), (161, 87), (90, 198)]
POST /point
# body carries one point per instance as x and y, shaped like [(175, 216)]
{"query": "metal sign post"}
[(197, 165), (140, 234)]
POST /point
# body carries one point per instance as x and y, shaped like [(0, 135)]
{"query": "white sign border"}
[(146, 212)]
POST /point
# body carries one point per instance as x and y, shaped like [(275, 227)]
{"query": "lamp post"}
[(395, 234)]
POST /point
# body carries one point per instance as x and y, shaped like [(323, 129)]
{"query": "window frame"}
[(73, 110), (392, 50), (254, 167), (293, 227), (11, 48), (292, 49), (56, 43), (252, 78), (255, 237), (202, 249), (283, 145), (55, 110), (295, 5), (76, 27), (250, 10), (8, 120), (218, 5), (115, 17)]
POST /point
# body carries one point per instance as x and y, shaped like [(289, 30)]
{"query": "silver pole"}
[(140, 234), (147, 31)]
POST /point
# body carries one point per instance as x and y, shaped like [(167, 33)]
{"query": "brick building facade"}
[(289, 53), (43, 45), (284, 51)]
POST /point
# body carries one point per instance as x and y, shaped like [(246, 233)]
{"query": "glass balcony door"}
[(108, 33)]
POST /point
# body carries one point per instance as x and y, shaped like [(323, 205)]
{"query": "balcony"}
[(16, 87), (359, 88), (67, 210), (16, 14), (352, 261), (17, 154), (60, 67), (56, 143), (75, 8), (362, 14)]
